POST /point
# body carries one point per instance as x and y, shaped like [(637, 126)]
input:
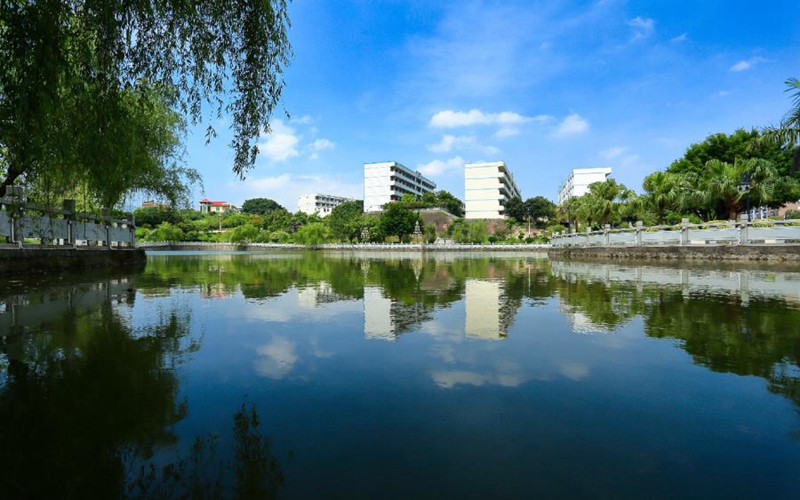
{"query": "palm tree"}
[(722, 179), (788, 134), (665, 191)]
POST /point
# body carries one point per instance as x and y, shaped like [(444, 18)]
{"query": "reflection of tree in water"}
[(68, 406), (85, 396), (761, 338), (251, 473)]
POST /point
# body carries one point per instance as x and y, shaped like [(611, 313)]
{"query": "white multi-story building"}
[(487, 187), (319, 204), (386, 182), (577, 183)]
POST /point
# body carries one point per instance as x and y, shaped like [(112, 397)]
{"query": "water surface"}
[(395, 376)]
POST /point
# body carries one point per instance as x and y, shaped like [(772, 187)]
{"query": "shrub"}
[(244, 234), (792, 214), (313, 234)]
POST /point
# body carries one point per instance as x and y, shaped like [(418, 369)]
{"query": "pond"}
[(309, 375)]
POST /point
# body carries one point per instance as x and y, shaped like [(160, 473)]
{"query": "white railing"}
[(62, 227), (722, 233)]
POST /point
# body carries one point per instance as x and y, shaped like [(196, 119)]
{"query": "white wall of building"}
[(577, 184), (388, 181), (319, 204), (487, 186)]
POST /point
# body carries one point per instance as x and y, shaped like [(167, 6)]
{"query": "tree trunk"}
[(13, 173)]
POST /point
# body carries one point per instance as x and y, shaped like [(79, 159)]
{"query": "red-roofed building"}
[(216, 207)]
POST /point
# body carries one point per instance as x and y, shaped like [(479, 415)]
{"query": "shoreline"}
[(734, 253), (331, 247)]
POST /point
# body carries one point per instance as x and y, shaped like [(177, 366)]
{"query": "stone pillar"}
[(684, 232), (743, 225), (607, 235), (639, 226), (69, 206)]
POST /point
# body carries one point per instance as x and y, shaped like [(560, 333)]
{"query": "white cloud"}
[(643, 27), (453, 119), (321, 144), (303, 120), (572, 124), (746, 64), (507, 132), (451, 142), (721, 93), (452, 378), (612, 152), (439, 167), (680, 38), (276, 358), (280, 144)]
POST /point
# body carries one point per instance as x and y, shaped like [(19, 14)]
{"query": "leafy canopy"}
[(260, 206), (71, 66)]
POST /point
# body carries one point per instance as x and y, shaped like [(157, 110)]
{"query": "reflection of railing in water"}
[(30, 310), (685, 234), (742, 282)]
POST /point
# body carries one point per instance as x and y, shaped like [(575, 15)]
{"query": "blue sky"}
[(544, 86)]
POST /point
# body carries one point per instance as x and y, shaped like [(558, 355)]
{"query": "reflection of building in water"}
[(215, 291), (318, 294), (489, 312), (581, 323), (377, 315), (387, 319)]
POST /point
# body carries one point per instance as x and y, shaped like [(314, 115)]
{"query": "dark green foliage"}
[(345, 220), (397, 220), (539, 210), (515, 209), (260, 206), (440, 199)]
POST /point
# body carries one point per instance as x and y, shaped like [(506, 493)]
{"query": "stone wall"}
[(698, 253), (15, 261)]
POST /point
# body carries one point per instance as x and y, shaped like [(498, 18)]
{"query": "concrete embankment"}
[(15, 261), (369, 247), (779, 253)]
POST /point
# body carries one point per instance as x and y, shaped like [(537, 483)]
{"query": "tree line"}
[(714, 180)]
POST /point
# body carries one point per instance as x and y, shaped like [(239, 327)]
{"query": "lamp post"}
[(744, 187)]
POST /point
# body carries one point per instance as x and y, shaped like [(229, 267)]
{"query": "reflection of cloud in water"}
[(574, 371), (291, 306), (318, 352), (277, 358), (445, 352), (449, 379)]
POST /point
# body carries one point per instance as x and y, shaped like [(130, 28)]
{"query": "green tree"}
[(153, 216), (774, 147), (247, 233), (71, 68), (397, 220), (345, 220), (450, 203), (260, 206), (602, 203), (539, 210), (515, 209), (167, 232), (666, 192), (313, 234), (721, 184), (788, 134)]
